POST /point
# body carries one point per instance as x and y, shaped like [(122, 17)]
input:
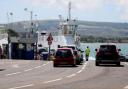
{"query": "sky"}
[(87, 10)]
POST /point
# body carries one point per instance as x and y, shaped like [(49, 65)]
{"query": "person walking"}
[(87, 53)]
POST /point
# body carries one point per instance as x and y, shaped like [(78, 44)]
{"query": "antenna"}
[(69, 12), (60, 27)]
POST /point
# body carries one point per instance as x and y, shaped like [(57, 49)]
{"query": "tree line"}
[(92, 39)]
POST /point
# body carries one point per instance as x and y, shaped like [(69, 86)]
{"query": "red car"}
[(107, 54), (64, 56)]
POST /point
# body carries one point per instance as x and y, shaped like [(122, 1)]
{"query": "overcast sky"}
[(88, 10)]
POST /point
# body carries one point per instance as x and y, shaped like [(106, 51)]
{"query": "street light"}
[(36, 25), (31, 18), (8, 32)]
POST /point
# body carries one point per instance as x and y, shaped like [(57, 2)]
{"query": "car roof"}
[(64, 49), (68, 45), (108, 45)]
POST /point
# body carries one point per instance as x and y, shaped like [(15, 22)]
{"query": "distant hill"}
[(85, 28)]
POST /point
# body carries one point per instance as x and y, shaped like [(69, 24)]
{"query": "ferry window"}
[(39, 45), (43, 33), (23, 35)]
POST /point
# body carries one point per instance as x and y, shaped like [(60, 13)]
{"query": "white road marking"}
[(12, 74), (44, 64), (126, 87), (53, 80), (26, 70), (50, 81), (37, 67), (15, 66), (79, 71), (72, 75), (22, 86)]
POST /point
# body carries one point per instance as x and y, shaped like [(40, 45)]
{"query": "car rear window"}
[(42, 50), (108, 48), (72, 47), (63, 53)]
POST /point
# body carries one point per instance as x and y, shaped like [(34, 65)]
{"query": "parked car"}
[(52, 52), (64, 56), (126, 57), (79, 56), (78, 52), (107, 54), (70, 46), (122, 57), (43, 53)]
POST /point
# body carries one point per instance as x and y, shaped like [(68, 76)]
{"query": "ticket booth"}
[(22, 47)]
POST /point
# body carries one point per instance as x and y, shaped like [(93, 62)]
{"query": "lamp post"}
[(36, 24), (8, 32), (31, 19)]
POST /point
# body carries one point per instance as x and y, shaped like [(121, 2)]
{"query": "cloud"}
[(86, 5), (76, 4), (122, 6)]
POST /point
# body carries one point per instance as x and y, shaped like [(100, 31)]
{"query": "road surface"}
[(31, 74)]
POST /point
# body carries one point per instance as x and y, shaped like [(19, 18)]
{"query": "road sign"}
[(49, 42), (50, 38)]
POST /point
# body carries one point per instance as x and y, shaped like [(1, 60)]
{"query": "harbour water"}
[(93, 46)]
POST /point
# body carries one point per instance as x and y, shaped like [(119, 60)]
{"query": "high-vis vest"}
[(87, 51)]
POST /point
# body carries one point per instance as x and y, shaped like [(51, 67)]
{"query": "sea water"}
[(93, 46)]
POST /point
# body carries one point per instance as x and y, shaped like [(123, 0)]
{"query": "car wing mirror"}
[(75, 53), (82, 51), (119, 49)]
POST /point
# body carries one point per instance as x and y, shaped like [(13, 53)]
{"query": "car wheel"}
[(74, 65), (118, 64), (97, 63), (54, 65), (78, 63)]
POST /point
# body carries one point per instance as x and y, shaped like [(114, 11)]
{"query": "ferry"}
[(67, 34)]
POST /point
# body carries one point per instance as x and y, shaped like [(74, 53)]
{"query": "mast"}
[(60, 26), (69, 11)]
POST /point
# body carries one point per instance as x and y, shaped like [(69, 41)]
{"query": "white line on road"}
[(50, 81), (26, 70), (37, 67), (53, 80), (72, 75), (22, 86), (12, 74), (126, 87), (16, 66), (79, 71)]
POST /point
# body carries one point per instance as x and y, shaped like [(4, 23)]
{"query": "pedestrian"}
[(87, 53), (0, 52)]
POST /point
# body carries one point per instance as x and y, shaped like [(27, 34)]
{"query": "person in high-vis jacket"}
[(87, 53)]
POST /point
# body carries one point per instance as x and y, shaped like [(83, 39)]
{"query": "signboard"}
[(50, 39), (49, 42)]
